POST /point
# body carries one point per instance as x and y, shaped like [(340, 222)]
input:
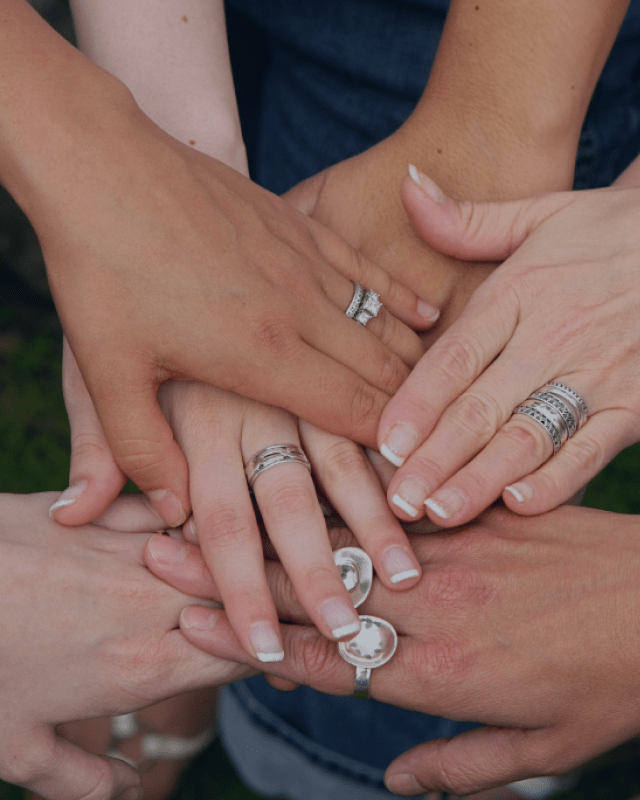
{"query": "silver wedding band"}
[(557, 408), (365, 304), (272, 456)]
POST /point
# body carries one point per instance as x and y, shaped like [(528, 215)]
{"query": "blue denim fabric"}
[(340, 75)]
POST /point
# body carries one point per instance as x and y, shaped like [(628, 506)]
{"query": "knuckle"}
[(342, 461), (24, 763), (587, 454), (276, 338), (140, 459), (527, 438), (454, 587), (439, 661), (315, 659), (224, 528), (90, 447), (285, 596), (393, 373), (460, 359), (289, 500), (364, 407), (476, 414)]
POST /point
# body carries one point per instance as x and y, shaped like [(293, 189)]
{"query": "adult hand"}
[(524, 624), (220, 432), (87, 631), (165, 263), (563, 307)]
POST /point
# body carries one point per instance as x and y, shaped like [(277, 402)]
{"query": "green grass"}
[(35, 456)]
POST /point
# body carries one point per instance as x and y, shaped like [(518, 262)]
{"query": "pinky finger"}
[(573, 466)]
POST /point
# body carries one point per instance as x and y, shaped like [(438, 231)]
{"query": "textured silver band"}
[(571, 396), (361, 686), (356, 300), (568, 412), (272, 456), (542, 418)]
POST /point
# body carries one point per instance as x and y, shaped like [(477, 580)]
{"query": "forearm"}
[(174, 58), (502, 112)]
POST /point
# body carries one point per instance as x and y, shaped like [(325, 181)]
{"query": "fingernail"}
[(403, 784), (341, 617), (68, 497), (446, 502), (521, 491), (190, 532), (166, 550), (197, 618), (398, 564), (266, 642), (427, 311), (399, 443), (428, 186), (410, 496), (168, 506)]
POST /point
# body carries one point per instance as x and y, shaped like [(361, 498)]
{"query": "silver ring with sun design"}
[(377, 640)]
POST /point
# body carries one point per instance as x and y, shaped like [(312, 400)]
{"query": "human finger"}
[(223, 515), (139, 436), (470, 762), (572, 467), (295, 524), (94, 477), (56, 769), (354, 490), (131, 513)]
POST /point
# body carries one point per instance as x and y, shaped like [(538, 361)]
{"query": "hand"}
[(220, 432), (165, 263), (87, 631), (563, 307), (526, 625)]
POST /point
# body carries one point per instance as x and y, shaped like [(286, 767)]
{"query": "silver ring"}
[(558, 408), (371, 648), (369, 307), (272, 456), (356, 300), (570, 396), (568, 412), (541, 415), (356, 571)]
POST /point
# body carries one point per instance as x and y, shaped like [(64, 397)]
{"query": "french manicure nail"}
[(398, 564), (399, 443), (68, 497), (341, 617), (168, 506), (198, 618), (521, 491), (428, 186), (427, 311), (446, 502), (404, 784), (410, 495), (166, 550), (266, 642)]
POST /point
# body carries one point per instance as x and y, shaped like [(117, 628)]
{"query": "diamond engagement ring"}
[(365, 304), (272, 456)]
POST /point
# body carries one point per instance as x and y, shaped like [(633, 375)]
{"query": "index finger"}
[(447, 370)]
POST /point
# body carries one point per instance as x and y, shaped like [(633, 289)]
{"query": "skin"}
[(546, 603), (563, 306)]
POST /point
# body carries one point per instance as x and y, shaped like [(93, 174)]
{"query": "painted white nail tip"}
[(515, 493), (60, 504), (346, 630), (404, 576), (268, 658), (415, 175), (436, 508), (406, 507), (391, 456)]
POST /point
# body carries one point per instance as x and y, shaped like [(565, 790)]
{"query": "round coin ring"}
[(356, 571), (371, 648)]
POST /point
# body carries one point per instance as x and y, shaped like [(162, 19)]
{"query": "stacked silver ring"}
[(558, 408), (365, 304), (271, 457)]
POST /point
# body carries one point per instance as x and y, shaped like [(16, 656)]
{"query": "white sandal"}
[(154, 746)]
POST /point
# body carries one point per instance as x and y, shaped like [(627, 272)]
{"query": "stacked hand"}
[(524, 625), (563, 307)]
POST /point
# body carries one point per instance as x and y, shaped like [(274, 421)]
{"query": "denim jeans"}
[(335, 77)]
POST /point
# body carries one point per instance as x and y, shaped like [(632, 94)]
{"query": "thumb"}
[(305, 195), (61, 771), (474, 231), (141, 439), (479, 759), (94, 478)]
